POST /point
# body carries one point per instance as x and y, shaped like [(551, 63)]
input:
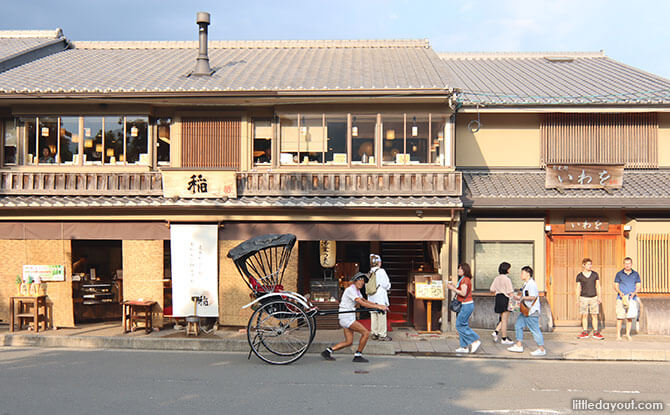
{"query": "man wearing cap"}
[(350, 299)]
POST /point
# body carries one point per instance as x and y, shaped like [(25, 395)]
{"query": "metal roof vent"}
[(202, 67)]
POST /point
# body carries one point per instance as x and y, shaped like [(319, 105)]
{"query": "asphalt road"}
[(58, 381)]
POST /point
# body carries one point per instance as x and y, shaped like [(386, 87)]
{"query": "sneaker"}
[(506, 341), (598, 336), (584, 335), (495, 336), (475, 345), (374, 337), (327, 355), (360, 359), (384, 339), (515, 349), (538, 352), (462, 350)]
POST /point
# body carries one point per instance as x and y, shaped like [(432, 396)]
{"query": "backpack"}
[(371, 285)]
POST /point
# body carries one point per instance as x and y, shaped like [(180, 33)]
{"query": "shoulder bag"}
[(371, 285), (456, 305), (525, 310)]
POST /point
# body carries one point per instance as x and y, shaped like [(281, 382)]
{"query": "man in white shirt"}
[(380, 296), (351, 298)]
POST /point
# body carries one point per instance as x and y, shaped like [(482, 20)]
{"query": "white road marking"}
[(521, 411), (631, 392), (544, 390)]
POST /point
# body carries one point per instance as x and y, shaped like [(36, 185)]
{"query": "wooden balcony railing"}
[(349, 184), (248, 183), (80, 184)]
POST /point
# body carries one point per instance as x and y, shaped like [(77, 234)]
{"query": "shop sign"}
[(432, 290), (586, 225), (194, 270), (199, 183), (567, 176), (44, 272)]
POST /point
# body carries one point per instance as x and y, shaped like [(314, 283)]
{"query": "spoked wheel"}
[(280, 332)]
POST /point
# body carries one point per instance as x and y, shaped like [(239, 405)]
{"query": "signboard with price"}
[(429, 291), (572, 176)]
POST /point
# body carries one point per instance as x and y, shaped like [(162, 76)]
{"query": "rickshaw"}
[(283, 323)]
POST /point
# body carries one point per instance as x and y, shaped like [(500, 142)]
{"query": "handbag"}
[(456, 305), (525, 310)]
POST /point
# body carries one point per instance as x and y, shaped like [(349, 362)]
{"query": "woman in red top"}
[(463, 290)]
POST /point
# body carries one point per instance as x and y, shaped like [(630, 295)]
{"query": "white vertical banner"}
[(195, 269)]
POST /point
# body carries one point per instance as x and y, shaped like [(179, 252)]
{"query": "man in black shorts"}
[(590, 297)]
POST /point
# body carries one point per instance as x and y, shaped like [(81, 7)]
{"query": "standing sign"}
[(194, 251)]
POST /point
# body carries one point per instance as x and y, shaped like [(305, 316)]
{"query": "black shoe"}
[(360, 359), (327, 355)]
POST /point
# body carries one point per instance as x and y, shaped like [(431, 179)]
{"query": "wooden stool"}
[(192, 325)]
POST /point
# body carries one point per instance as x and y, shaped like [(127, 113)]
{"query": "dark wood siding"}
[(628, 139), (210, 142)]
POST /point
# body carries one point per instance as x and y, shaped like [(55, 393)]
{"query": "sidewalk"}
[(561, 344)]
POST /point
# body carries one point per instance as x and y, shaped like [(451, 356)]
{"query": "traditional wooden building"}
[(107, 146), (564, 156)]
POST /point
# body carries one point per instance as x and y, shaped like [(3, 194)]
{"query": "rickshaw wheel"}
[(280, 332)]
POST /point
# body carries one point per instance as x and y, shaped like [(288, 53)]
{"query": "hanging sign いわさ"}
[(568, 176), (586, 225)]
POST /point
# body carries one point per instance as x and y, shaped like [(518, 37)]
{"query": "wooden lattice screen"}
[(653, 253), (628, 139), (210, 143)]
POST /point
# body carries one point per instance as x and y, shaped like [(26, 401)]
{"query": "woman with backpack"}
[(377, 289)]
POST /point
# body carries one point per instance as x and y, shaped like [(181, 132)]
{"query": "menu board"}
[(429, 291)]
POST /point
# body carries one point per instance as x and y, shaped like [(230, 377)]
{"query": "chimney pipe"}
[(202, 67)]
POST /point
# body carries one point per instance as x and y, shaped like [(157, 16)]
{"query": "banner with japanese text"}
[(195, 270)]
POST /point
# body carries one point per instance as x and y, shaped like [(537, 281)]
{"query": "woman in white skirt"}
[(381, 297)]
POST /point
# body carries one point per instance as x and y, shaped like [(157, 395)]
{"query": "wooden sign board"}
[(568, 176), (586, 225), (426, 291), (199, 183)]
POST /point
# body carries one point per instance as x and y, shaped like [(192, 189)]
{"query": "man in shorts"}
[(627, 284), (351, 298), (590, 298)]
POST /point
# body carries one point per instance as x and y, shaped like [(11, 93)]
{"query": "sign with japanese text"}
[(429, 291), (42, 273), (199, 184), (586, 225), (195, 270), (567, 176)]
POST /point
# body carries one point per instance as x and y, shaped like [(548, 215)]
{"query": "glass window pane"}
[(69, 138), (29, 140), (288, 135), (363, 139), (113, 139), (137, 139), (93, 139), (262, 142), (48, 139), (163, 143), (437, 144), (489, 255), (393, 140), (417, 138), (11, 142), (336, 132), (312, 139)]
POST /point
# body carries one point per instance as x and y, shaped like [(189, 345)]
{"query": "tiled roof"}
[(148, 67), (523, 188), (16, 42), (551, 78), (241, 202)]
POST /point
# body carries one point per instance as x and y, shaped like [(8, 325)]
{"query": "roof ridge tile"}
[(256, 44)]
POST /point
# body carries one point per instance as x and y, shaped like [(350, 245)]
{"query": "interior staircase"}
[(398, 259)]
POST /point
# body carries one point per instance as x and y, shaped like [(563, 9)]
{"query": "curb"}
[(239, 345)]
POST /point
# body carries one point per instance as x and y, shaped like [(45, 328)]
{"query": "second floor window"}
[(75, 140)]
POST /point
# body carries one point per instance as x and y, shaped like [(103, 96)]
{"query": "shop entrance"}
[(97, 278), (567, 252)]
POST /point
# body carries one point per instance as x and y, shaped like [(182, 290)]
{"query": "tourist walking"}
[(469, 340), (503, 289), (530, 297)]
